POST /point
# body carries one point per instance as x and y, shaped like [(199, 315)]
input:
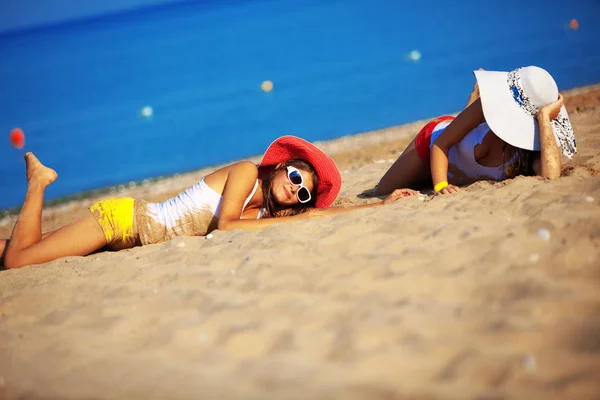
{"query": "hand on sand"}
[(551, 110), (398, 194), (447, 190)]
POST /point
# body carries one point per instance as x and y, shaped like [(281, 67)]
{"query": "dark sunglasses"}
[(295, 178)]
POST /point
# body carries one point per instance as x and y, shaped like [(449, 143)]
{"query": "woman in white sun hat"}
[(514, 124)]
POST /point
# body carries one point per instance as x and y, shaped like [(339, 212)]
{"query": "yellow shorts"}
[(115, 217)]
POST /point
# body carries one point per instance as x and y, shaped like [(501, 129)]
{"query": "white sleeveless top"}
[(462, 165), (194, 212)]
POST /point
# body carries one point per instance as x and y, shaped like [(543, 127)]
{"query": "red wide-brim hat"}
[(288, 147)]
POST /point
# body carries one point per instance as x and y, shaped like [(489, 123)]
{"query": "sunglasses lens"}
[(295, 177), (303, 195)]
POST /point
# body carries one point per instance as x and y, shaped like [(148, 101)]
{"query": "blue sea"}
[(79, 89)]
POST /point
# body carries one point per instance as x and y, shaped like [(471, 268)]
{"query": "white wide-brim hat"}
[(511, 101)]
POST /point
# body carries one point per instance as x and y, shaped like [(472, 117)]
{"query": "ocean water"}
[(338, 67)]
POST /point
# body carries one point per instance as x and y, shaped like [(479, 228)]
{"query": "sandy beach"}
[(491, 293)]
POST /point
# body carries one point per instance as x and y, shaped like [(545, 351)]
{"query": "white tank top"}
[(462, 165), (194, 212)]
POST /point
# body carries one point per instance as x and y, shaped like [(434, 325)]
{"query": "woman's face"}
[(285, 191)]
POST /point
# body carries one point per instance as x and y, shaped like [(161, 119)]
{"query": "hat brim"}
[(289, 147), (503, 115)]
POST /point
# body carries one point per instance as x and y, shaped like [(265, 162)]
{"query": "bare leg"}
[(28, 229), (26, 245), (3, 243), (4, 246), (407, 172)]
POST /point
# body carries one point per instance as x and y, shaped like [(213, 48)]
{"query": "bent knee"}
[(12, 261), (383, 188)]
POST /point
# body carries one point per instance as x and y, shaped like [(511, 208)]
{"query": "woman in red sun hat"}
[(293, 177)]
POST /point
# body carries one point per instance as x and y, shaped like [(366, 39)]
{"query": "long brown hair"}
[(523, 161), (271, 206)]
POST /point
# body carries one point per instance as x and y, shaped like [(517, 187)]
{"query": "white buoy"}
[(147, 111), (414, 55)]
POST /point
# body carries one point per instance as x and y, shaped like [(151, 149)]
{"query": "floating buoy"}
[(17, 138), (267, 86), (574, 24), (414, 55), (147, 111)]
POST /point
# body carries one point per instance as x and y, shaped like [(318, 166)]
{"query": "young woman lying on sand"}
[(512, 125), (293, 178)]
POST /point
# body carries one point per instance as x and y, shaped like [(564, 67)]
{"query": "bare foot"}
[(475, 91), (38, 173)]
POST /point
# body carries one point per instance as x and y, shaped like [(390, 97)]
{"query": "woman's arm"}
[(239, 183), (466, 121), (255, 224), (229, 223), (549, 166), (392, 197)]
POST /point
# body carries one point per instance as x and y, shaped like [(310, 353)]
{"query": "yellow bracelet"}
[(440, 186)]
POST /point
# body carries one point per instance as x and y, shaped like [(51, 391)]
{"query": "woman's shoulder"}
[(243, 166), (240, 170), (244, 169), (246, 165)]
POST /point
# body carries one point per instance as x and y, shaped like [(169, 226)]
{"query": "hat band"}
[(516, 89), (560, 125), (564, 132)]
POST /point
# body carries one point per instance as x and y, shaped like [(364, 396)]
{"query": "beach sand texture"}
[(490, 293)]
